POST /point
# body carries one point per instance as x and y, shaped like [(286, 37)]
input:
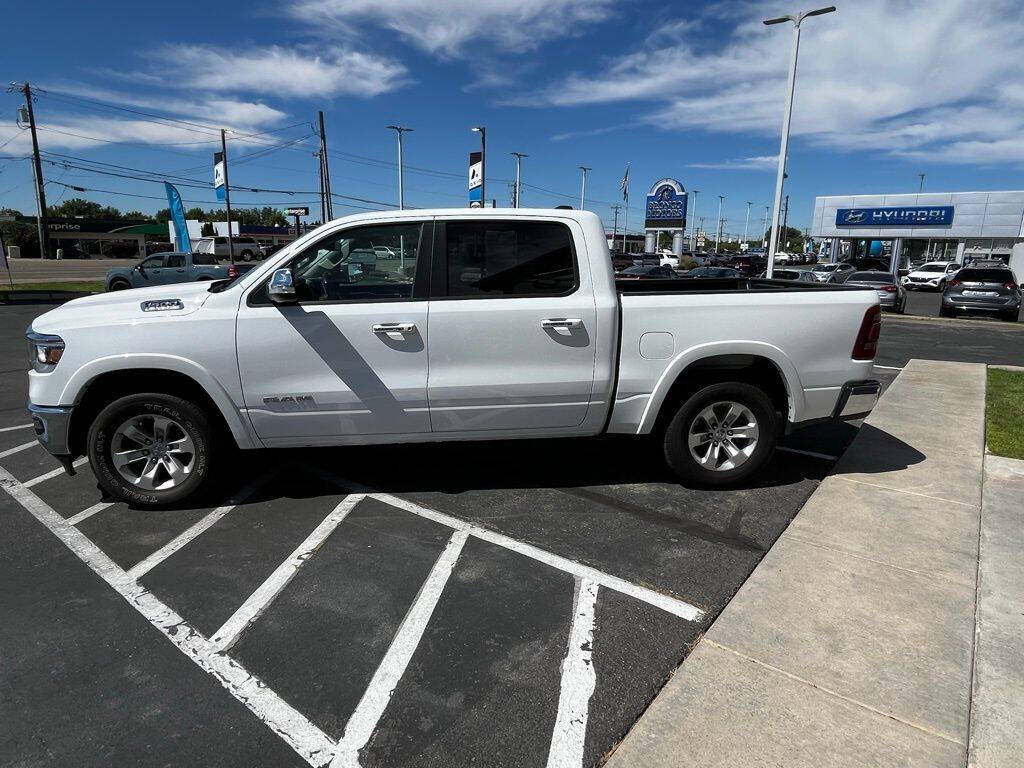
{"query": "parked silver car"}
[(891, 295), (988, 289)]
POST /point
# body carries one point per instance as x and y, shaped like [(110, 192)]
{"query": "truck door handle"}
[(561, 322), (393, 327)]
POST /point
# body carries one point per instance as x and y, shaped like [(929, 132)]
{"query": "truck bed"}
[(652, 287)]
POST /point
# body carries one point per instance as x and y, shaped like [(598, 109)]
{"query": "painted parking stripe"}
[(312, 744), (16, 426), (85, 514), (53, 473), (138, 570), (578, 682), (666, 603), (375, 699), (18, 449), (267, 592)]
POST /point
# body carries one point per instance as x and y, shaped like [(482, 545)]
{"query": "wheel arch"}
[(756, 363)]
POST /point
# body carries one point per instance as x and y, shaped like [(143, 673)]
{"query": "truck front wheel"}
[(152, 449), (721, 435)]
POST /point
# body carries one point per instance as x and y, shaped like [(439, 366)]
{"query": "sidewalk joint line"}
[(909, 493), (836, 694)]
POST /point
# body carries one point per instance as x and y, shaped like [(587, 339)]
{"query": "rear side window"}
[(204, 260), (509, 258), (986, 275), (176, 260)]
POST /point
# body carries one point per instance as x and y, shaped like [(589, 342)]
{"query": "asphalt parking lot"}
[(430, 605)]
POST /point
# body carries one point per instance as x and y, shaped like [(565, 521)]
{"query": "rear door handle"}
[(393, 327), (561, 322)]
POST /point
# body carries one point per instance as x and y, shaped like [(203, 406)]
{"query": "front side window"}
[(176, 260), (346, 265), (509, 258), (204, 260)]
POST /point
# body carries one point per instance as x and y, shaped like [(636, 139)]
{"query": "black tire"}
[(1011, 317), (677, 452), (246, 255), (943, 312), (119, 285), (902, 308), (192, 419)]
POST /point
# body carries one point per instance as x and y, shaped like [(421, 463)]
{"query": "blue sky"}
[(686, 89)]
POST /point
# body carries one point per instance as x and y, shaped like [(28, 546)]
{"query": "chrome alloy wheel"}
[(152, 452), (723, 436)]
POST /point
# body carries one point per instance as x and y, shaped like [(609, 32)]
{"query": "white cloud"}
[(757, 163), (907, 77), (331, 71), (445, 27)]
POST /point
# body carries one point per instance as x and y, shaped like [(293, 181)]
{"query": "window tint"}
[(176, 260), (986, 275), (509, 258), (346, 266), (933, 268), (204, 259)]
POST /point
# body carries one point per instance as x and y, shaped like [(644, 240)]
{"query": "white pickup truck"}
[(430, 325)]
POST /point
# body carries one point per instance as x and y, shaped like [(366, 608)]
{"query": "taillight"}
[(1010, 286), (232, 272), (889, 288), (953, 283), (867, 338)]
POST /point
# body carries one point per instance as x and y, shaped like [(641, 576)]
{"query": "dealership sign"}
[(666, 206), (896, 216)]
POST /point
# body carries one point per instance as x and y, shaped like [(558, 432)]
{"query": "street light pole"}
[(797, 19), (693, 229), (764, 228), (746, 224), (920, 187), (519, 163), (718, 234), (583, 189), (401, 181), (483, 164)]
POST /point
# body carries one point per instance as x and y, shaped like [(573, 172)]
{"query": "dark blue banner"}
[(182, 240), (896, 216)]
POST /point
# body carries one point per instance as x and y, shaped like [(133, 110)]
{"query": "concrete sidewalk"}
[(853, 642)]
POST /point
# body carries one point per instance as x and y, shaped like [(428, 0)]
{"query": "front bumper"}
[(856, 399), (52, 425)]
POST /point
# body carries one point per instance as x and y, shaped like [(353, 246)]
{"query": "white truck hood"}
[(120, 306)]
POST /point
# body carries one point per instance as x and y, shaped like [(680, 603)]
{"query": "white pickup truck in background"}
[(428, 325)]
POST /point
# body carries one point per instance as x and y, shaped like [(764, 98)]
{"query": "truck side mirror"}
[(282, 288)]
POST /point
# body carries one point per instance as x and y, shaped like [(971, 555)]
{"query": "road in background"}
[(65, 270)]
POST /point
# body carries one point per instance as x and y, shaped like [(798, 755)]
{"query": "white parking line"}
[(887, 367), (17, 449), (87, 513), (138, 570), (16, 426), (669, 604), (265, 593), (53, 473), (802, 452), (578, 682), (371, 706), (312, 744)]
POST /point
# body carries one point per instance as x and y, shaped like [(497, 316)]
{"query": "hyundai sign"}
[(666, 206), (896, 216)]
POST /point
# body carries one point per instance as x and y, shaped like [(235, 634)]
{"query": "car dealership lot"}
[(412, 605)]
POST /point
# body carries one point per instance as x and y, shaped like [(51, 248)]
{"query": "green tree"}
[(196, 213), (163, 215), (77, 207)]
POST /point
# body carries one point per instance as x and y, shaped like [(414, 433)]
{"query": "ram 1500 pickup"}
[(428, 325)]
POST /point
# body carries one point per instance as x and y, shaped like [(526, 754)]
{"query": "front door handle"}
[(561, 322), (393, 327)]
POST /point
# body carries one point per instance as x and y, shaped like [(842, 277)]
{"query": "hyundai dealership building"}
[(951, 226)]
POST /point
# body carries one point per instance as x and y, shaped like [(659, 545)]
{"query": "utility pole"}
[(785, 224), (693, 217), (583, 189), (920, 187), (401, 182), (718, 234), (482, 130), (764, 229), (746, 224), (44, 238), (519, 184), (323, 190), (227, 196), (615, 226), (326, 171)]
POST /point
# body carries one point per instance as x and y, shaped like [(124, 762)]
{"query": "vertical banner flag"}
[(624, 186), (476, 179), (182, 242), (218, 174)]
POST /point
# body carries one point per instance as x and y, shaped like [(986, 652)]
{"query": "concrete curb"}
[(852, 642)]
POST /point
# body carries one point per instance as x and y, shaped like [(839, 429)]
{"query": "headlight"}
[(44, 352)]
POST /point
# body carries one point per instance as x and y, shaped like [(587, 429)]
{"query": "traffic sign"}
[(296, 211)]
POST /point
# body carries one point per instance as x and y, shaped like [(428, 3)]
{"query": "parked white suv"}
[(931, 274), (490, 324), (245, 248)]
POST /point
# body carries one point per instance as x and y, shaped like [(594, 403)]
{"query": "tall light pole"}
[(764, 228), (746, 224), (519, 167), (401, 181), (483, 163), (583, 188), (718, 234), (797, 20), (920, 187), (693, 230)]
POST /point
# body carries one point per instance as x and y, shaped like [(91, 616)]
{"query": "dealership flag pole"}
[(625, 209)]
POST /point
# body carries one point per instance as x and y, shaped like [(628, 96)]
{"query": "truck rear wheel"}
[(119, 285), (152, 449), (721, 435)]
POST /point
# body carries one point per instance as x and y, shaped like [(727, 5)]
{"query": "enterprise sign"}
[(896, 216)]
